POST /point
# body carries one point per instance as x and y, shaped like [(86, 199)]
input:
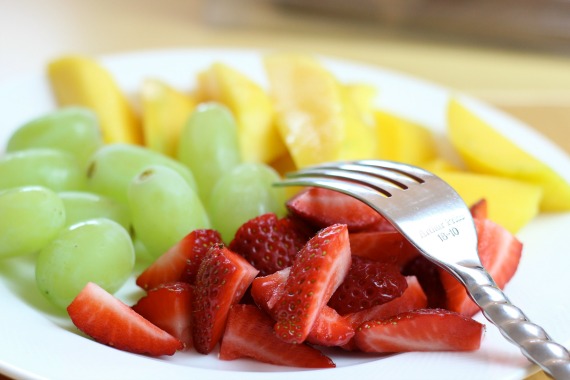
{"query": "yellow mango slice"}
[(360, 134), (402, 140), (252, 108), (362, 96), (511, 203), (77, 80), (485, 150), (309, 108), (165, 111)]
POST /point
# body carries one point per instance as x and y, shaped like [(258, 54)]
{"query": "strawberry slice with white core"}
[(222, 279), (317, 271), (249, 333), (169, 306), (180, 262), (323, 208), (109, 321), (413, 298), (500, 253), (420, 330), (384, 246)]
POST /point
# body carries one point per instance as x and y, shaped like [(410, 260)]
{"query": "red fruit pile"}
[(332, 273)]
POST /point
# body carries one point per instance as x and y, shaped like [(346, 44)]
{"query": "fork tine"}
[(353, 189), (383, 185)]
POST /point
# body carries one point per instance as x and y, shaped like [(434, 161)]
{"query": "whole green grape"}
[(30, 217), (242, 194), (74, 130), (164, 208), (112, 168), (209, 145), (82, 205), (97, 250), (54, 169)]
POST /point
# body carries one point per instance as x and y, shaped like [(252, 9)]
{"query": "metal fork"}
[(433, 217)]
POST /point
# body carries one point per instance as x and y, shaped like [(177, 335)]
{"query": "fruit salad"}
[(179, 193)]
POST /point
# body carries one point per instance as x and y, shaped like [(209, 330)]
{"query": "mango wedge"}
[(402, 140), (77, 80), (251, 106), (485, 150), (309, 108), (511, 203), (165, 111), (360, 133)]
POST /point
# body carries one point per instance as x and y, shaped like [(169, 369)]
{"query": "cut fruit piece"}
[(384, 246), (249, 334), (316, 273), (169, 307), (420, 330), (323, 207), (360, 134), (222, 279), (165, 111), (511, 203), (402, 140), (500, 254), (413, 298), (259, 139), (82, 81), (181, 262), (329, 329), (427, 274), (109, 321), (367, 284), (308, 107), (269, 243), (486, 150)]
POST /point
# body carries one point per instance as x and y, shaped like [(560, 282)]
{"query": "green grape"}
[(242, 194), (54, 169), (30, 217), (97, 250), (164, 208), (209, 145), (112, 168), (81, 206), (72, 129)]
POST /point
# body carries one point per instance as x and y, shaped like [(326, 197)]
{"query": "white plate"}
[(36, 342)]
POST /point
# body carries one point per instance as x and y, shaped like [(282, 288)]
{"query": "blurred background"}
[(514, 54)]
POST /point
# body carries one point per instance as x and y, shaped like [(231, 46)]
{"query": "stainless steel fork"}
[(433, 217)]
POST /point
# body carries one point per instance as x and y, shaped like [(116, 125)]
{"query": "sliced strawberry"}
[(368, 283), (109, 321), (270, 243), (179, 263), (222, 279), (500, 253), (428, 275), (323, 207), (384, 246), (266, 290), (249, 333), (316, 273), (413, 298), (420, 330), (329, 329), (169, 306), (479, 209)]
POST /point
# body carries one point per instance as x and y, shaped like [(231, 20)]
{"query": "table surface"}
[(529, 84)]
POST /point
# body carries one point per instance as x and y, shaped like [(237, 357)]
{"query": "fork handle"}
[(532, 339)]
